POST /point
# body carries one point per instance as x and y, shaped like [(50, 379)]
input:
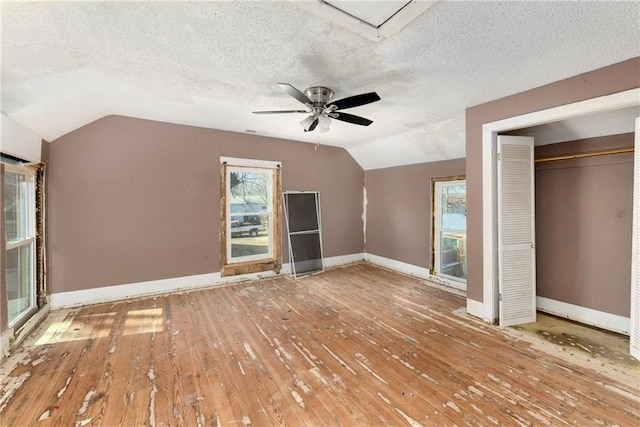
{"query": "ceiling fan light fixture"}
[(324, 123), (306, 123)]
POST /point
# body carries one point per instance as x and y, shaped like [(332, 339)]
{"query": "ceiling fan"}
[(322, 109)]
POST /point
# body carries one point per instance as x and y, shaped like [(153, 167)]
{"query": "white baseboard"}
[(475, 308), (6, 343), (134, 290), (400, 266), (588, 316), (461, 286), (453, 286), (337, 261), (9, 339), (176, 284)]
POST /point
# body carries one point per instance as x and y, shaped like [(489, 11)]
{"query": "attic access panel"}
[(302, 214), (375, 20)]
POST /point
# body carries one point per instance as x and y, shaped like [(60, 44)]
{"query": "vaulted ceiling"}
[(210, 64)]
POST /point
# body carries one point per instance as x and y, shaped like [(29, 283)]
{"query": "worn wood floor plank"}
[(358, 345)]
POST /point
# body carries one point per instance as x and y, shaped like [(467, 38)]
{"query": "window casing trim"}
[(251, 163), (229, 267)]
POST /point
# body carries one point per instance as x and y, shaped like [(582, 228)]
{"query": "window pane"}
[(454, 207), (453, 260), (249, 235), (19, 278), (249, 192), (15, 190)]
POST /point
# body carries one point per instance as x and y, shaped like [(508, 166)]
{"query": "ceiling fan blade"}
[(295, 93), (350, 118), (280, 112), (356, 100)]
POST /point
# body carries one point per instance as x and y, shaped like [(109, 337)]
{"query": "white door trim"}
[(628, 98), (634, 326)]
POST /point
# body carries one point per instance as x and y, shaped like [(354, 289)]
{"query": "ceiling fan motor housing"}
[(319, 95)]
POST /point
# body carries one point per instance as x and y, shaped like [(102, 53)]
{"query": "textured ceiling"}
[(211, 64)]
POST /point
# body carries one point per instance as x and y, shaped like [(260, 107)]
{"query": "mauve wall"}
[(584, 213), (399, 210), (605, 81), (133, 200)]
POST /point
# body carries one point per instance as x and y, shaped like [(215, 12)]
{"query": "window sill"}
[(271, 264)]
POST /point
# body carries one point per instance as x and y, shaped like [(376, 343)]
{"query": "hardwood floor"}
[(358, 345)]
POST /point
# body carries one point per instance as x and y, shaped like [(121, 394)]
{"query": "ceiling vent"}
[(371, 19)]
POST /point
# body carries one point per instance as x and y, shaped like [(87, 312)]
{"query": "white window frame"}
[(30, 239), (437, 187), (269, 212)]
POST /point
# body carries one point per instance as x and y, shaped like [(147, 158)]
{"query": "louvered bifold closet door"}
[(516, 230), (635, 254)]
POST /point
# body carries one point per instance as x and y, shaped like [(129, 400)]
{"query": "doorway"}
[(491, 266)]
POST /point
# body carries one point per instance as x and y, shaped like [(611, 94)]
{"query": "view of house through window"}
[(450, 229), (249, 213), (19, 205)]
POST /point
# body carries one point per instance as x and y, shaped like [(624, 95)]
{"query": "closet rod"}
[(579, 156)]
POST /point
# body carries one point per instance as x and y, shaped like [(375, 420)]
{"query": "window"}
[(250, 222), (450, 229), (20, 220)]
